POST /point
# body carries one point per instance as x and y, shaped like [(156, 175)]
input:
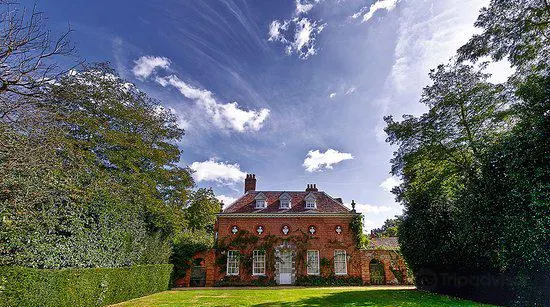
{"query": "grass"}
[(345, 296)]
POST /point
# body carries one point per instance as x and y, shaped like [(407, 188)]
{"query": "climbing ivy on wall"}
[(356, 226), (246, 242)]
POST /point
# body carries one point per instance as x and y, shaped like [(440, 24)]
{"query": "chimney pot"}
[(311, 187), (250, 183)]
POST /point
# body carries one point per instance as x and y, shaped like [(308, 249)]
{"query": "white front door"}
[(285, 268)]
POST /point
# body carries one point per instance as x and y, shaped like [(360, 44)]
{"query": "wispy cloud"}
[(367, 14), (226, 200), (389, 183), (299, 33), (146, 65), (304, 6), (226, 116), (317, 160), (370, 209), (428, 34), (220, 172)]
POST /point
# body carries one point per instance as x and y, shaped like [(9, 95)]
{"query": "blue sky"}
[(293, 91)]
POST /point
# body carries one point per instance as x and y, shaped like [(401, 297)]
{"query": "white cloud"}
[(367, 208), (316, 160), (332, 95), (226, 116), (227, 200), (304, 6), (298, 34), (277, 29), (221, 172), (146, 65), (387, 5), (351, 90), (389, 183)]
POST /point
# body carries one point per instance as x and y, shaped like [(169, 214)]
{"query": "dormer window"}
[(261, 202), (310, 201), (285, 201)]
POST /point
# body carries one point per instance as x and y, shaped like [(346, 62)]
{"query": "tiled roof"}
[(325, 203), (383, 243)]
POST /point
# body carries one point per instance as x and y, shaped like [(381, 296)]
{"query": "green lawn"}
[(349, 296)]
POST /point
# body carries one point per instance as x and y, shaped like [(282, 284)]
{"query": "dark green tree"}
[(100, 186), (389, 229), (201, 210)]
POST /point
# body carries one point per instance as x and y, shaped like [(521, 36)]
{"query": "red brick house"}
[(284, 237)]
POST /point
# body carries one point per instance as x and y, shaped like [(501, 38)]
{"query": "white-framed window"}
[(340, 262), (232, 262), (310, 201), (258, 262), (285, 200), (261, 201), (313, 267)]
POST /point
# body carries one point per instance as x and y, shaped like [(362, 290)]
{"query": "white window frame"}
[(260, 203), (311, 202), (232, 263), (285, 201), (337, 254), (258, 263), (318, 272)]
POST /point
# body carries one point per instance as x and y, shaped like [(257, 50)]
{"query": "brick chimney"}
[(311, 188), (250, 183)]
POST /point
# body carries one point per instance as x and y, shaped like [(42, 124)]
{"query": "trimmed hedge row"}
[(28, 287)]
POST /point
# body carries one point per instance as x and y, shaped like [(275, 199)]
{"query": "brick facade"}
[(282, 233)]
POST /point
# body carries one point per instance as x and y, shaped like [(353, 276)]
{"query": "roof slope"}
[(383, 243), (325, 203)]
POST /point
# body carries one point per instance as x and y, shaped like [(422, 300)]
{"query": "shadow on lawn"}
[(375, 298)]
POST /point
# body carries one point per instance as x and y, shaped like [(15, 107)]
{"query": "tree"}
[(27, 59), (475, 166), (517, 30), (130, 137), (389, 229), (201, 210), (109, 193)]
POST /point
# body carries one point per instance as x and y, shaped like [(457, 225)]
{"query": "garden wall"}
[(28, 287)]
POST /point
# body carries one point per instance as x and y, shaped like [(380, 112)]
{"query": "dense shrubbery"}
[(185, 246), (90, 166), (27, 287), (103, 190), (476, 167)]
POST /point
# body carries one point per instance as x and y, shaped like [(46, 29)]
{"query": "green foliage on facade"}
[(28, 287), (356, 226)]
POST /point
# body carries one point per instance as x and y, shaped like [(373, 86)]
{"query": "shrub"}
[(185, 246), (29, 287)]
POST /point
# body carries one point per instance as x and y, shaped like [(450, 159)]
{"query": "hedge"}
[(28, 287)]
